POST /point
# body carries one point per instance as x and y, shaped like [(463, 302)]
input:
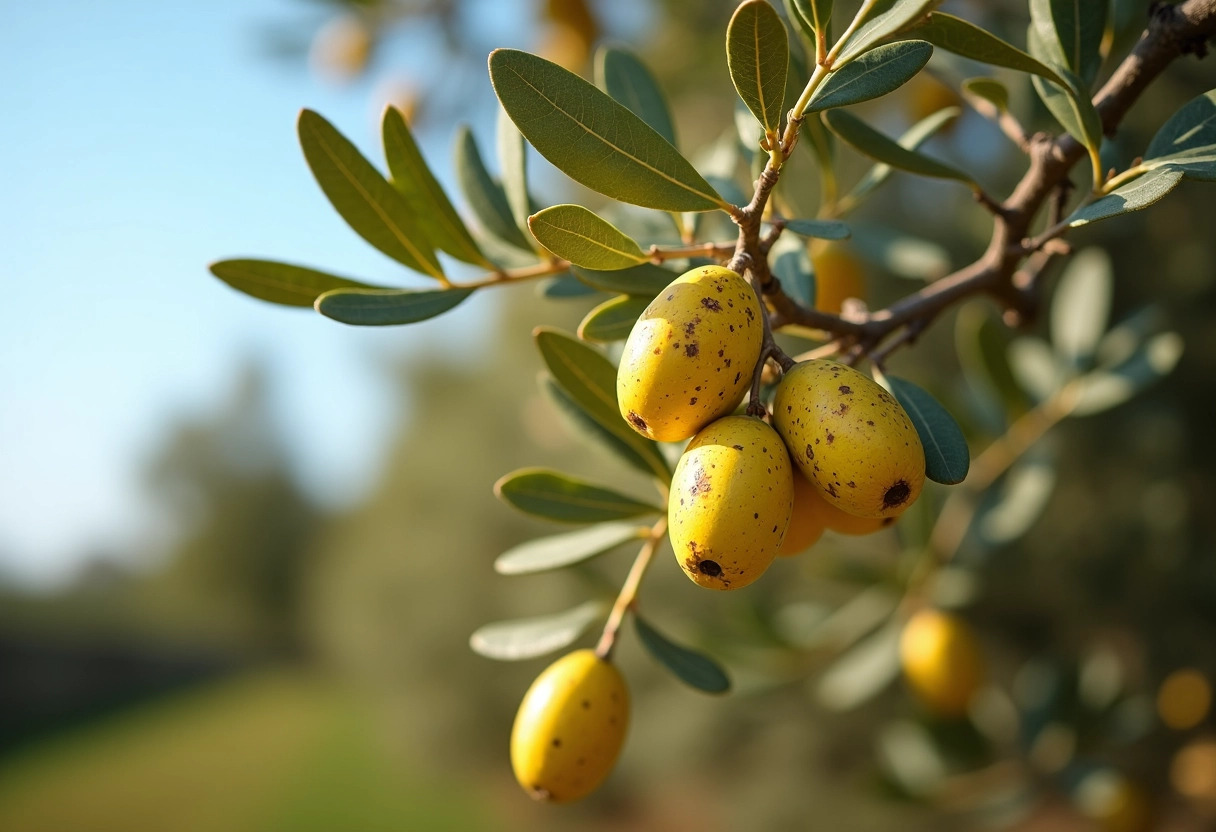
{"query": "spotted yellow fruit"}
[(570, 728), (942, 662), (690, 356), (730, 502), (813, 515), (850, 437)]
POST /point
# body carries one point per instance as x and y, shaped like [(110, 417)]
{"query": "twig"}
[(545, 269), (627, 598), (660, 254)]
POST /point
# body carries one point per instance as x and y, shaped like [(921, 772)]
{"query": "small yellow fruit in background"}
[(813, 515), (730, 502), (851, 438), (838, 276), (570, 728), (941, 661), (690, 356), (1184, 699)]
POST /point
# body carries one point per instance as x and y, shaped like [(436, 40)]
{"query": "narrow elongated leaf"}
[(644, 281), (1187, 140), (613, 319), (561, 550), (1080, 308), (373, 208), (878, 146), (691, 666), (648, 460), (961, 37), (1141, 192), (580, 236), (758, 55), (1071, 31), (863, 672), (528, 638), (486, 198), (1036, 367), (513, 162), (593, 139), (989, 89), (947, 456), (387, 307), (877, 72), (915, 136), (883, 19), (622, 75), (564, 499), (791, 264), (590, 379), (1068, 102), (1105, 388), (823, 229), (280, 282), (431, 208), (1010, 511)]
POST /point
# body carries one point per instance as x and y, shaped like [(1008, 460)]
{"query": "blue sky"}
[(139, 141)]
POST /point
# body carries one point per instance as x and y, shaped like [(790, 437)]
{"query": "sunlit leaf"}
[(1080, 307), (1071, 31), (1188, 140), (528, 638), (881, 20), (561, 550), (580, 236), (645, 280), (564, 499), (813, 15), (1020, 500), (989, 89), (623, 76), (513, 163), (863, 672), (878, 146), (431, 208), (823, 229), (648, 460), (387, 307), (280, 282), (1141, 192), (875, 73), (486, 198), (965, 38), (1036, 367), (373, 208), (691, 666), (757, 54), (594, 140), (613, 319), (1067, 99), (913, 138), (947, 456), (1106, 388)]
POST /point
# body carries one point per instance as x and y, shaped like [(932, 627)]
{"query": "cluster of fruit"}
[(736, 502)]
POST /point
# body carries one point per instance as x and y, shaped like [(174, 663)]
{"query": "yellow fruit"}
[(730, 502), (1184, 699), (813, 514), (850, 437), (690, 356), (570, 728), (941, 661), (838, 275)]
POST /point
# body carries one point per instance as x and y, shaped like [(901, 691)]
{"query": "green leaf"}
[(1067, 101), (622, 75), (387, 307), (590, 379), (791, 264), (888, 151), (915, 136), (564, 499), (580, 236), (644, 281), (486, 198), (691, 666), (875, 73), (513, 162), (280, 282), (1141, 192), (593, 139), (901, 254), (758, 56), (1008, 512), (373, 208), (1036, 368), (823, 229), (980, 342), (1071, 31), (881, 20), (1105, 388), (964, 38), (947, 456), (989, 89), (1187, 140), (613, 319), (648, 461), (565, 286), (1080, 307), (431, 208), (561, 550), (528, 638), (863, 672)]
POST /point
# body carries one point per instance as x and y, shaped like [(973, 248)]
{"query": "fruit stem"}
[(627, 598)]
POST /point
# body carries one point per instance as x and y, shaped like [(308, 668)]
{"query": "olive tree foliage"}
[(798, 70)]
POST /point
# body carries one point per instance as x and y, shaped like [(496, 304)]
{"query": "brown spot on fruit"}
[(693, 400), (840, 411), (691, 350), (636, 420), (897, 495), (810, 452), (700, 484), (831, 438), (737, 447), (557, 743), (712, 304), (751, 316), (737, 377), (710, 568), (832, 490), (846, 389)]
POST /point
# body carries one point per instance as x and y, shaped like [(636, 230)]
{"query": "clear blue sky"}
[(138, 142)]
